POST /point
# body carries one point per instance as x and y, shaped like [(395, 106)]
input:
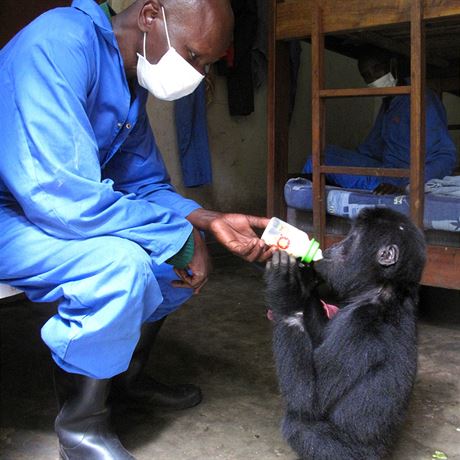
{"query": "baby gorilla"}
[(346, 375)]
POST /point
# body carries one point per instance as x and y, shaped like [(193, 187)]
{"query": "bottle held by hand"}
[(292, 240)]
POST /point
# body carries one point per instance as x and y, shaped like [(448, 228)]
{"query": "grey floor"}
[(220, 341)]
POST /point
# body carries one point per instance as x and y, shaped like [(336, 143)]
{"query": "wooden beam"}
[(318, 124), (360, 171), (278, 119), (388, 44), (294, 17), (443, 267), (364, 92), (271, 97), (417, 115)]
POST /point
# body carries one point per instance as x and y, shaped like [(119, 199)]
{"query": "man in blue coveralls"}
[(388, 143), (88, 215)]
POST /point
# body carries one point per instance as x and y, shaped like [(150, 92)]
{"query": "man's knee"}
[(125, 261)]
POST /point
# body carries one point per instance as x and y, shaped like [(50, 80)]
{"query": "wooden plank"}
[(293, 20), (318, 123), (417, 116), (294, 17), (364, 92), (397, 47), (271, 98), (442, 268), (360, 171), (277, 121)]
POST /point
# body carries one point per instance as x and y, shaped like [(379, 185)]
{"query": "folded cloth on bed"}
[(441, 212), (449, 185)]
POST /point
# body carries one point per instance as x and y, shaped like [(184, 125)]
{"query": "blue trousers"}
[(338, 156), (105, 288)]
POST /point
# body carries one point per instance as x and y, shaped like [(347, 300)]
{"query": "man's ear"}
[(147, 15), (388, 255)]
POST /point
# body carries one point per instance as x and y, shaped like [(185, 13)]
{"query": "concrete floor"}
[(220, 341)]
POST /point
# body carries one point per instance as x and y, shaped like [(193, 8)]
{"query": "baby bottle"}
[(292, 240)]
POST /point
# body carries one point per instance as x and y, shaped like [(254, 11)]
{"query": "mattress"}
[(441, 212)]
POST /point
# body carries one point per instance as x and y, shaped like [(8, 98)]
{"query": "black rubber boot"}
[(82, 425), (136, 387)]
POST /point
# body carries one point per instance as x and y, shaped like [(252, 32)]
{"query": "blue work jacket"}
[(77, 153), (389, 139)]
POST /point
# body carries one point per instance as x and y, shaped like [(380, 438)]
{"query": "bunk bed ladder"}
[(416, 90)]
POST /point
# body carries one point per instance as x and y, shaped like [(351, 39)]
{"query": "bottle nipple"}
[(313, 253)]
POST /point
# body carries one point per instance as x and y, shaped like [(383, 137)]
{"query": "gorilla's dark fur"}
[(346, 381)]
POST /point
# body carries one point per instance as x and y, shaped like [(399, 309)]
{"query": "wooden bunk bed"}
[(334, 24)]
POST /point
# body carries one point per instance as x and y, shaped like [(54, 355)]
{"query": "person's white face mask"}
[(172, 77), (386, 81)]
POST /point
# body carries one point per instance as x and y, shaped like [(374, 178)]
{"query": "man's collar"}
[(95, 12), (107, 10)]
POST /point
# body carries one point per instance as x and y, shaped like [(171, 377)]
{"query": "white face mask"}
[(387, 81), (172, 78)]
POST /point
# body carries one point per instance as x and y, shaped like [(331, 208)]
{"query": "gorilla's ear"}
[(388, 255)]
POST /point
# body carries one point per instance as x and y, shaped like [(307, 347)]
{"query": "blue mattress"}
[(441, 212)]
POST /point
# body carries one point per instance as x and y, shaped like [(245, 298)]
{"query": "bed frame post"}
[(418, 123), (278, 118), (318, 123)]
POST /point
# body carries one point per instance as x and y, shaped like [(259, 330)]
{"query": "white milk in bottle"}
[(292, 240)]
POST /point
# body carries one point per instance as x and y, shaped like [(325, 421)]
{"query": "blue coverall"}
[(388, 146), (87, 212)]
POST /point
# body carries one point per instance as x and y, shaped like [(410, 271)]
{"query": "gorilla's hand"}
[(288, 284)]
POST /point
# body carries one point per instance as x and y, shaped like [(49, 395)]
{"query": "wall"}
[(238, 148)]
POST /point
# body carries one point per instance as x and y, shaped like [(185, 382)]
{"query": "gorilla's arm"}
[(291, 294), (299, 321), (293, 354)]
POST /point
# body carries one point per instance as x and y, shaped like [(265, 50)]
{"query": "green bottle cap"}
[(311, 251)]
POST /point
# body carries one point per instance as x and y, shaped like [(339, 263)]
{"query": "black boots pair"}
[(136, 387), (83, 422)]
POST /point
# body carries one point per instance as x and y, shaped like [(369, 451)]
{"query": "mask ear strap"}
[(145, 35), (166, 26)]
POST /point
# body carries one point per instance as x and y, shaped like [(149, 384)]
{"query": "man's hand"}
[(200, 266), (235, 232), (388, 189)]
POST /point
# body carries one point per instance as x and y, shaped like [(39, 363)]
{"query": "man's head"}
[(373, 65), (199, 30)]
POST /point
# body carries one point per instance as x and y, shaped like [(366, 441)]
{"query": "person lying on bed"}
[(388, 143)]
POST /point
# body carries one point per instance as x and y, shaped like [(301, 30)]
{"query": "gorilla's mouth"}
[(331, 310)]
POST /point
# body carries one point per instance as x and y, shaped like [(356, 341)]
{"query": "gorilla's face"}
[(347, 265), (375, 252)]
